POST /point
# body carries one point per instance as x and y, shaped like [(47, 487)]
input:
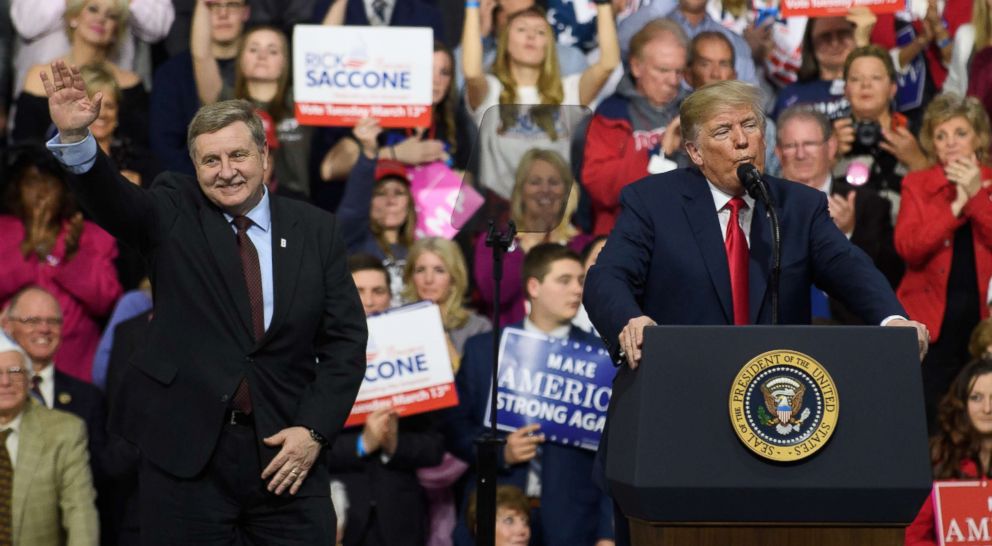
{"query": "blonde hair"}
[(121, 9), (982, 21), (452, 308), (549, 87), (564, 231), (97, 77), (947, 106), (716, 98)]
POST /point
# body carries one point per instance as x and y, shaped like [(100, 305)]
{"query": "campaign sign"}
[(440, 200), (837, 8), (962, 510), (563, 385), (342, 74), (407, 364)]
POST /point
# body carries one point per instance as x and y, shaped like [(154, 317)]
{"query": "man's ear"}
[(694, 154), (531, 287), (265, 157), (245, 16)]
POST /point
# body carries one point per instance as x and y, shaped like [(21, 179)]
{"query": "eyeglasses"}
[(218, 6), (13, 373), (34, 322), (808, 146)]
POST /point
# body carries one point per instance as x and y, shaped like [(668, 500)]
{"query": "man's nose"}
[(739, 136), (227, 171)]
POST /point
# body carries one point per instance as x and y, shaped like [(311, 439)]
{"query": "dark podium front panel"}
[(673, 456)]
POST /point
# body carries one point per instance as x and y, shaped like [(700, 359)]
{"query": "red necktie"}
[(253, 279), (737, 259)]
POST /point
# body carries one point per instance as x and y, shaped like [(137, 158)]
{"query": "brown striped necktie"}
[(6, 490), (253, 279)]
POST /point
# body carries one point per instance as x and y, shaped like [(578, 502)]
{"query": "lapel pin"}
[(282, 243), (64, 398)]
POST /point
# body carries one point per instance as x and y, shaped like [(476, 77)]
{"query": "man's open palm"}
[(72, 110)]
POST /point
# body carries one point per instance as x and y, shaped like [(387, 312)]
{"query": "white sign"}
[(407, 364), (342, 74)]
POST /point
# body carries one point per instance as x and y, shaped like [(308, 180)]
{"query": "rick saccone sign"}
[(342, 74)]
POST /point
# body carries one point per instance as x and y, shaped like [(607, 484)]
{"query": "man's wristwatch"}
[(317, 437)]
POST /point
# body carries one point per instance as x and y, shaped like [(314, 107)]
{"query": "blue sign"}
[(561, 384)]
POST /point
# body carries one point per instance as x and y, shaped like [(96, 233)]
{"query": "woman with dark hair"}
[(944, 233), (45, 241), (377, 211), (262, 76), (962, 447), (826, 44)]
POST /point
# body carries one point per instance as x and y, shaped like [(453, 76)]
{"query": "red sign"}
[(962, 510), (825, 8), (347, 115)]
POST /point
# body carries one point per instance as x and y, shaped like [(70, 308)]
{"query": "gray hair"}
[(8, 345), (716, 98), (654, 30), (214, 117), (16, 298), (804, 113)]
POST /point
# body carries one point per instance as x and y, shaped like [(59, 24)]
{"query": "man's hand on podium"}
[(521, 444), (922, 334), (631, 339)]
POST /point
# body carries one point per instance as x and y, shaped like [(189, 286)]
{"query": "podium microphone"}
[(757, 188)]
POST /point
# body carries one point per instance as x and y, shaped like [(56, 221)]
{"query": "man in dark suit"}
[(34, 320), (690, 247), (558, 479), (377, 463), (257, 346), (806, 147)]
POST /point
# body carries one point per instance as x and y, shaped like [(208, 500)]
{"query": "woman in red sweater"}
[(963, 447), (45, 241), (944, 233)]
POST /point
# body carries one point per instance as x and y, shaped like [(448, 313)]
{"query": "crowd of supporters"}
[(887, 114)]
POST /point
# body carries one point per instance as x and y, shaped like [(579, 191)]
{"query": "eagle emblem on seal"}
[(784, 402)]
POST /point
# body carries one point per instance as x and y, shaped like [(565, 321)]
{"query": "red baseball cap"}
[(388, 168)]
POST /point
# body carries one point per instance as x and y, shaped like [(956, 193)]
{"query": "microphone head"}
[(750, 178)]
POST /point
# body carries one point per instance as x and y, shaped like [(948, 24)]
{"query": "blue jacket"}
[(666, 259), (573, 509)]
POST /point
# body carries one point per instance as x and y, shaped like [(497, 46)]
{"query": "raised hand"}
[(71, 109)]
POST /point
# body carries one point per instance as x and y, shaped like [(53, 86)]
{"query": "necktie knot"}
[(242, 223), (736, 204)]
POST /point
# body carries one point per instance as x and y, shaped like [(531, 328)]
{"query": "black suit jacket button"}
[(224, 398)]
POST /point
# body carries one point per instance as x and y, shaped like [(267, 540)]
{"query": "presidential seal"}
[(783, 405)]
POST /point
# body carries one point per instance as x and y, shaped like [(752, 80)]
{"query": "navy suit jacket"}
[(86, 402), (666, 259), (574, 509)]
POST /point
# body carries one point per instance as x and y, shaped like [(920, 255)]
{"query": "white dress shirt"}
[(13, 439), (721, 198), (47, 385)]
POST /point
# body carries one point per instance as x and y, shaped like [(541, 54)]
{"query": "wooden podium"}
[(678, 471)]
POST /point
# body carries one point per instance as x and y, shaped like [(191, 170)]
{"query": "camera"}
[(867, 135)]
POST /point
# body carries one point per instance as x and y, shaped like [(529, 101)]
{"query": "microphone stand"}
[(758, 189), (489, 444)]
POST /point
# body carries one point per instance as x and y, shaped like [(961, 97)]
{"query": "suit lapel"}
[(700, 212), (760, 256), (223, 248), (287, 252), (30, 449)]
